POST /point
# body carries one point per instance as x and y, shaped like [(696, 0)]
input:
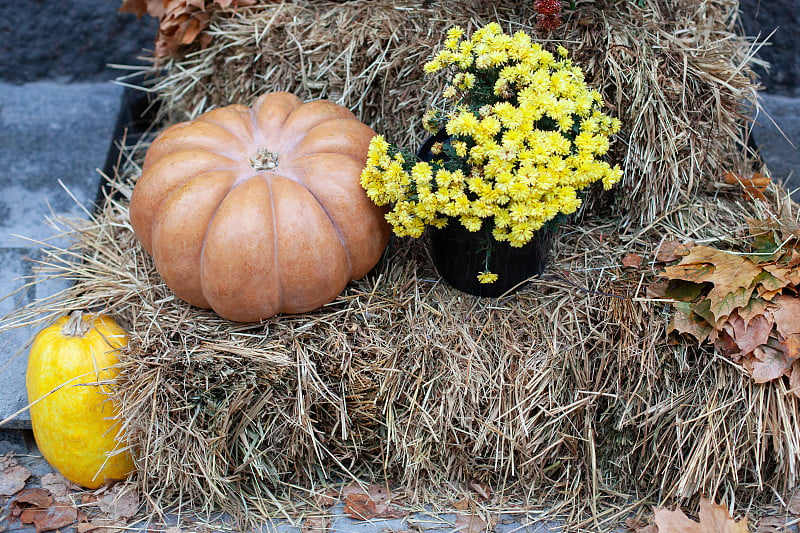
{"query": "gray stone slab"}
[(16, 271), (42, 41), (49, 133), (777, 135)]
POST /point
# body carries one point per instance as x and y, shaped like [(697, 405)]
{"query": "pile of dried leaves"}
[(715, 518), (747, 304), (180, 22), (51, 502)]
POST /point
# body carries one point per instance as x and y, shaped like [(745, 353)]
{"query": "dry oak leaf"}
[(787, 314), (748, 336), (732, 276), (122, 501), (752, 188), (632, 261), (637, 525), (471, 523), (316, 524), (12, 475), (49, 518), (770, 524), (713, 519), (59, 486), (670, 251), (372, 503), (686, 320)]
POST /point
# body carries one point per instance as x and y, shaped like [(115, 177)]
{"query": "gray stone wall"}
[(76, 40), (783, 51), (69, 41)]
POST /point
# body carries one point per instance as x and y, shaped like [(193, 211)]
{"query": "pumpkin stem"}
[(75, 326), (264, 160)]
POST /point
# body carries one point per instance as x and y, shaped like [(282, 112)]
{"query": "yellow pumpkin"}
[(258, 211), (70, 367)]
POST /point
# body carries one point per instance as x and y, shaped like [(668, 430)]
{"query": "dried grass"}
[(676, 72), (567, 391)]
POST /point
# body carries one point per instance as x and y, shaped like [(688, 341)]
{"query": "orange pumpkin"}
[(254, 212)]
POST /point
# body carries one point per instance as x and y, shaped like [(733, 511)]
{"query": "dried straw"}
[(676, 72), (567, 391)]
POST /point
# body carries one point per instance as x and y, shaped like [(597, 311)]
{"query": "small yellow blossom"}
[(487, 277), (526, 135)]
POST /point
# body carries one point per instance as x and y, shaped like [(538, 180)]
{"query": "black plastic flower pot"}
[(459, 255)]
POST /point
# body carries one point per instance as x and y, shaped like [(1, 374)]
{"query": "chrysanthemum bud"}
[(547, 7), (549, 22)]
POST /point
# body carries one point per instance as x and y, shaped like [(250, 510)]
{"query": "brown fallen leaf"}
[(685, 320), (766, 364), (632, 261), (316, 524), (794, 385), (637, 525), (122, 501), (375, 502), (482, 489), (50, 518), (471, 523), (462, 504), (770, 524), (181, 22), (750, 336), (713, 519), (360, 507), (59, 486), (670, 251), (795, 259), (752, 187), (787, 314), (12, 475), (34, 498), (733, 277)]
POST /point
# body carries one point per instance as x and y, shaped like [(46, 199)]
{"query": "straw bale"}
[(676, 72), (568, 390)]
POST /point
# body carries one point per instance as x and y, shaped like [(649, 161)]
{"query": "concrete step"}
[(777, 135), (49, 133)]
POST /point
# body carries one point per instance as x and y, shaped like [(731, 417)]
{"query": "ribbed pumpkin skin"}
[(72, 426), (229, 232)]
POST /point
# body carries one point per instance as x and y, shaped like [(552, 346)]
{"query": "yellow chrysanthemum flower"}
[(526, 134), (487, 277)]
